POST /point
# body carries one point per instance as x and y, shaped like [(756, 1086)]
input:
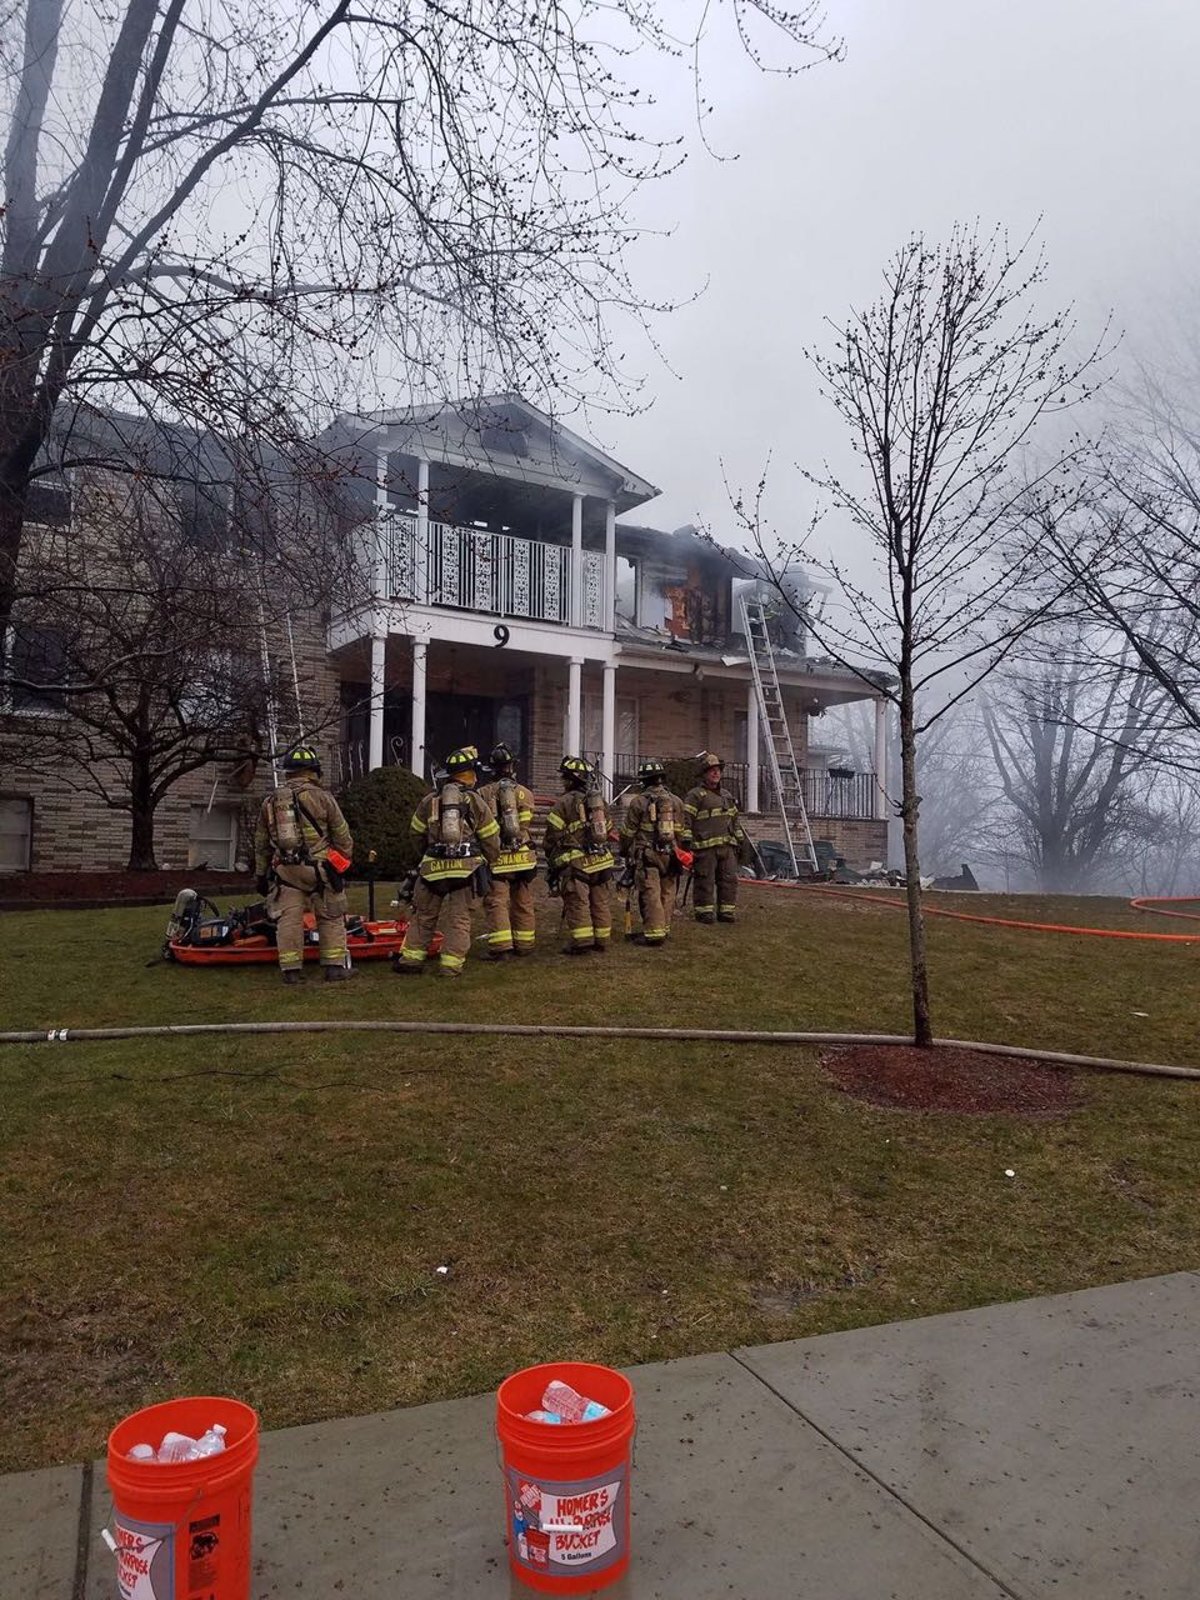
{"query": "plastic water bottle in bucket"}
[(181, 1476), (566, 1442)]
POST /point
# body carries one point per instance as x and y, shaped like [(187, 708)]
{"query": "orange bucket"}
[(182, 1529), (566, 1487)]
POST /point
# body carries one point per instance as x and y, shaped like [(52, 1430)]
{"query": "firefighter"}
[(651, 836), (508, 904), (716, 837), (302, 850), (461, 838), (578, 847)]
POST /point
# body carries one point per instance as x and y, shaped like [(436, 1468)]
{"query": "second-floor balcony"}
[(499, 574)]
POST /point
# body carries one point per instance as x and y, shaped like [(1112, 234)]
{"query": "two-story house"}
[(509, 590), (514, 598)]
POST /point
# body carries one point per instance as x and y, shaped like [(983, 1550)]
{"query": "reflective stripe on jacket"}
[(567, 843), (319, 820), (522, 857), (481, 835), (711, 819), (639, 830)]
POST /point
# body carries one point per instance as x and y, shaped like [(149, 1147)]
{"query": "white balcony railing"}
[(497, 573)]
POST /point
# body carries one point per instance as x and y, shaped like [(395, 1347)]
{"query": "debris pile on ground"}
[(962, 1081)]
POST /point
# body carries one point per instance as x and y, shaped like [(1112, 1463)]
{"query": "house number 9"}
[(501, 635)]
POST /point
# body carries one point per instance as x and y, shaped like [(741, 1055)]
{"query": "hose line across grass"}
[(540, 1030), (869, 897)]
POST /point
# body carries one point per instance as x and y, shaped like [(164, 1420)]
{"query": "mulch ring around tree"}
[(964, 1082)]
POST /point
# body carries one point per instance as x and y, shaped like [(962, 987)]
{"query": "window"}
[(255, 513), (16, 833), (214, 690), (48, 501), (626, 724), (627, 588), (204, 514), (510, 726), (37, 656), (212, 841)]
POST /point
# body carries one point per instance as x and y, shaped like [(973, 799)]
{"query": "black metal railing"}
[(850, 796)]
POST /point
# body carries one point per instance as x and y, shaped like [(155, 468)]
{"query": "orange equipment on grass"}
[(199, 936)]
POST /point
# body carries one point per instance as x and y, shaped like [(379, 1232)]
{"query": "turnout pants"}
[(587, 908), (656, 890), (508, 908), (295, 891), (715, 883), (452, 910)]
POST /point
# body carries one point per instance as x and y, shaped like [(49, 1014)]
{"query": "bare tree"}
[(142, 644), (202, 199), (1161, 853), (1129, 548), (1071, 735), (941, 383), (959, 802)]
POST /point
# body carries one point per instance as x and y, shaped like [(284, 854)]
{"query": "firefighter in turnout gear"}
[(579, 854), (508, 904), (716, 838), (302, 850), (461, 838), (651, 837)]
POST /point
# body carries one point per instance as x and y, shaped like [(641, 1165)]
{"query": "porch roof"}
[(646, 647), (506, 436)]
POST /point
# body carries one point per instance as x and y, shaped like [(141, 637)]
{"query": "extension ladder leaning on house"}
[(777, 736)]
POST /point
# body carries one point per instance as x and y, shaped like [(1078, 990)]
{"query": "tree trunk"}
[(910, 802), (142, 811), (12, 520)]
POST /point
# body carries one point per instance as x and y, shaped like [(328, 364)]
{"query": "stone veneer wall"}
[(74, 829)]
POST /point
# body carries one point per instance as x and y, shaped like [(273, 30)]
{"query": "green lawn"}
[(266, 1216)]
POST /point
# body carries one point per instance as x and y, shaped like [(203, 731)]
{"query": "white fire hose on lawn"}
[(530, 1030)]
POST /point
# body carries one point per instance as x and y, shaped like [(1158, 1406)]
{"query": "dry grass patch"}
[(267, 1215)]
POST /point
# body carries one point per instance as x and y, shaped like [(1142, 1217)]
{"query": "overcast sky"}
[(1085, 112)]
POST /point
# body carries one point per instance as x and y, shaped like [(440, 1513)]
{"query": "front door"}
[(452, 720)]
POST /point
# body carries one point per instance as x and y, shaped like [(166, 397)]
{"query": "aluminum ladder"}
[(781, 753)]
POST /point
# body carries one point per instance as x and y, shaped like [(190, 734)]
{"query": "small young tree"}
[(940, 383)]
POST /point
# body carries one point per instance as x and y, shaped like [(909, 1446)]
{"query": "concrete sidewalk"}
[(1040, 1449)]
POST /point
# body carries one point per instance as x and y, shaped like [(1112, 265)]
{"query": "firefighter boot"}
[(293, 975), (339, 974)]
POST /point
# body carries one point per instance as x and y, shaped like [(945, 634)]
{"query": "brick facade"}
[(72, 828), (677, 715)]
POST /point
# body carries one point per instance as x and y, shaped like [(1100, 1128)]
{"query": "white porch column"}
[(379, 544), (752, 731), (378, 659), (417, 753), (610, 566), (576, 611), (421, 554), (608, 726), (881, 745), (574, 704)]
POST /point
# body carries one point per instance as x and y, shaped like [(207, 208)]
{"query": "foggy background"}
[(1083, 113)]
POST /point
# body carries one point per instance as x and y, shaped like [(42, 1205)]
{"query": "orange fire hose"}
[(865, 897), (1157, 903)]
